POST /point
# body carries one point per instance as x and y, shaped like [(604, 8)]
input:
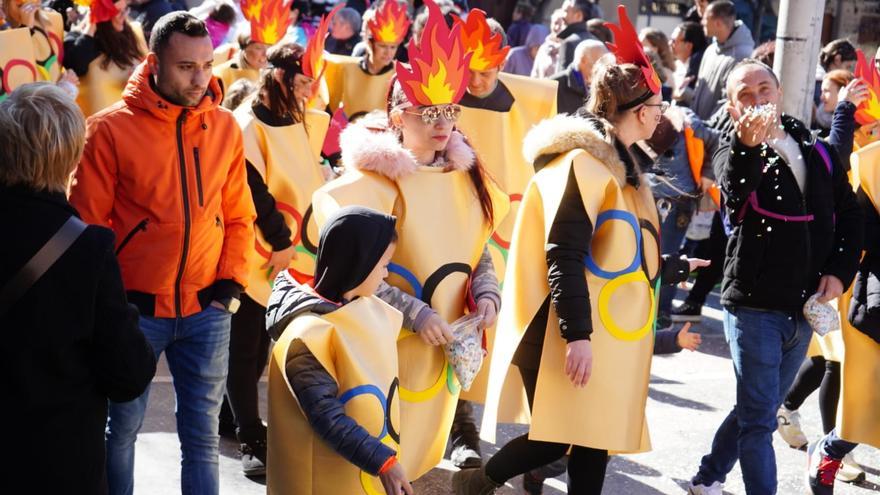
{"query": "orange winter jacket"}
[(171, 183)]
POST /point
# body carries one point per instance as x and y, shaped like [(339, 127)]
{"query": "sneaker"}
[(850, 470), (688, 311), (715, 488), (821, 470), (253, 458), (466, 447), (789, 428)]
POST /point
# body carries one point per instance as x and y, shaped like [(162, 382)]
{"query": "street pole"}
[(798, 37)]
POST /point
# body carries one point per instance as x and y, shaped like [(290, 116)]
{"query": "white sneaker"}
[(715, 488), (790, 428), (850, 470)]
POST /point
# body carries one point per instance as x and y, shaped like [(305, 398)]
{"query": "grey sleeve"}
[(415, 311), (484, 284)]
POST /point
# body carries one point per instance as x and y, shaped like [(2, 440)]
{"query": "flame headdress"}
[(485, 46), (868, 111), (99, 10), (250, 9), (313, 63), (390, 23), (628, 50), (271, 21), (438, 71)]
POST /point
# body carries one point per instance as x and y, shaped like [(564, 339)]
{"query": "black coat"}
[(774, 264), (571, 92), (69, 343), (571, 36), (864, 310)]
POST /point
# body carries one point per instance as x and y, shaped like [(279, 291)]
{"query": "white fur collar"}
[(370, 145)]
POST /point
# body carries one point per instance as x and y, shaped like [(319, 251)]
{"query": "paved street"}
[(690, 394)]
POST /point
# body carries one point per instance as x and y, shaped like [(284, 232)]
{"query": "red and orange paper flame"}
[(270, 24), (438, 66), (628, 49), (868, 111), (313, 62), (250, 9), (99, 10), (485, 47), (390, 23)]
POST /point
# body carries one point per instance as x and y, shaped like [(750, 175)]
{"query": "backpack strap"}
[(28, 275)]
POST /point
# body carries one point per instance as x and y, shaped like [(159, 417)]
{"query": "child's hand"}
[(687, 340), (395, 482), (435, 331), (486, 309)]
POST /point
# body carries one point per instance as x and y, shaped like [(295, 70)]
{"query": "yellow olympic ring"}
[(605, 300), (44, 73), (430, 392)]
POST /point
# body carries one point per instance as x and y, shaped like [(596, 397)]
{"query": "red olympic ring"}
[(514, 198), (13, 63), (59, 46), (296, 237)]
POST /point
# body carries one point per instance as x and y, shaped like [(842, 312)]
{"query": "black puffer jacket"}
[(316, 391), (864, 310), (775, 264)]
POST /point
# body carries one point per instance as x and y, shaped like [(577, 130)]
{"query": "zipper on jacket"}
[(141, 226), (186, 216), (198, 176)]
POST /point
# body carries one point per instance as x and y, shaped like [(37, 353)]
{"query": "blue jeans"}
[(197, 350), (767, 348), (672, 231)]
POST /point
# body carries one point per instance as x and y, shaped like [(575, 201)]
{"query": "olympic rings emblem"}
[(300, 240), (503, 244), (4, 74), (609, 215), (605, 302), (652, 231)]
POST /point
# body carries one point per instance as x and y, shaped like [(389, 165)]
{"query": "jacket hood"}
[(370, 145), (563, 133), (139, 92), (741, 36), (289, 300)]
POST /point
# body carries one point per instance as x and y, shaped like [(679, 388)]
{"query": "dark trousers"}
[(817, 373), (248, 353), (586, 466), (712, 249)]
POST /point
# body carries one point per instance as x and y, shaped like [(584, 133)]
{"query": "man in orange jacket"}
[(164, 168)]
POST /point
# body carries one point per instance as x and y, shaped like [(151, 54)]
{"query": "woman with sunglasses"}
[(103, 52), (581, 279), (282, 143), (411, 162)]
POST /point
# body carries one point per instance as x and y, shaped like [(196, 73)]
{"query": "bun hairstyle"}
[(614, 85), (477, 172), (282, 102)]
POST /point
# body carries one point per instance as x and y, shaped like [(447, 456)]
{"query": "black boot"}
[(465, 438), (473, 482), (253, 449)]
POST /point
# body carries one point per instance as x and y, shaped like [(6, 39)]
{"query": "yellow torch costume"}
[(288, 159), (349, 83), (496, 125), (442, 229), (16, 60), (860, 393), (356, 346)]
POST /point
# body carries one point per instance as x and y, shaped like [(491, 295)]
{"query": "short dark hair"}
[(724, 9), (765, 53), (752, 61), (597, 28), (694, 34), (841, 47), (586, 7), (223, 13), (175, 22)]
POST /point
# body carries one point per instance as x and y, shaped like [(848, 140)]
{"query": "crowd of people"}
[(369, 198)]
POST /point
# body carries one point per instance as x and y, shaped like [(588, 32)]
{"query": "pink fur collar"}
[(369, 145)]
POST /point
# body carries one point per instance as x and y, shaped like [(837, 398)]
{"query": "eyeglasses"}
[(432, 114), (664, 106)]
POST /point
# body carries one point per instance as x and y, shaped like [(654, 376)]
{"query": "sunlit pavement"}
[(689, 396)]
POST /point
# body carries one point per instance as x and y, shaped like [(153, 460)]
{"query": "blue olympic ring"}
[(409, 277), (375, 392), (629, 218)]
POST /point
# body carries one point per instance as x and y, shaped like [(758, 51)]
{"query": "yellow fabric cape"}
[(497, 138), (442, 233), (16, 60), (352, 88), (100, 87), (229, 74), (622, 269), (356, 345), (860, 393), (288, 158)]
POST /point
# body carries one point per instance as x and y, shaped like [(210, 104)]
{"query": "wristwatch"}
[(230, 303)]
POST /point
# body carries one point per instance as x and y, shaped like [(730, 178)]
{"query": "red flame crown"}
[(868, 111), (270, 24), (485, 46), (250, 9), (390, 23), (628, 49), (313, 62), (438, 66)]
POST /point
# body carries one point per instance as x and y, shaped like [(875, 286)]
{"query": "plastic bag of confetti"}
[(822, 317), (465, 353)]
